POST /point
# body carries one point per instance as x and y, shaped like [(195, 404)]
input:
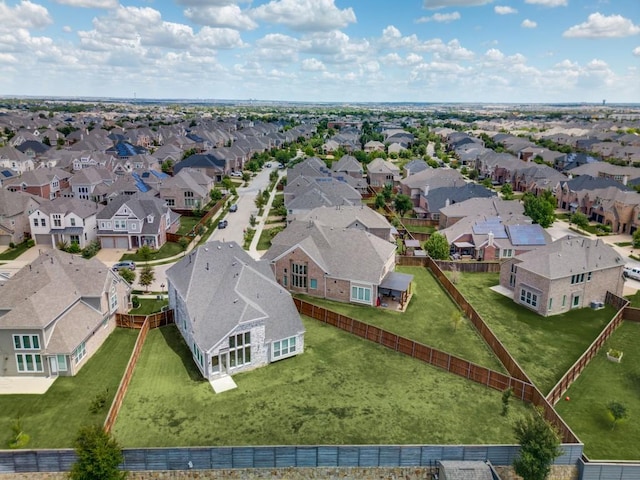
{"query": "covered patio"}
[(395, 291)]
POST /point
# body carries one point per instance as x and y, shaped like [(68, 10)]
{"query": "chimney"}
[(490, 239), (426, 190)]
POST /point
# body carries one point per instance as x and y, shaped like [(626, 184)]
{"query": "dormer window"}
[(150, 218)]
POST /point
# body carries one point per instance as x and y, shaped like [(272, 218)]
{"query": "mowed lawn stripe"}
[(342, 390)]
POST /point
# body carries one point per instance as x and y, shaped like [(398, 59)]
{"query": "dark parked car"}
[(223, 224), (233, 208)]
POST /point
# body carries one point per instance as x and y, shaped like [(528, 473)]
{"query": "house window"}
[(550, 303), (198, 355), (26, 342), (35, 222), (43, 222), (79, 353), (119, 224), (507, 253), (284, 281), (74, 239), (72, 221), (170, 202), (361, 294), (589, 276), (576, 301), (528, 297), (62, 363), (564, 300), (284, 348), (240, 349), (113, 298), (313, 283), (578, 278), (57, 220), (29, 362), (134, 226), (298, 275)]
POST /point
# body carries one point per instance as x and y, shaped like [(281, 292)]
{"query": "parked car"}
[(233, 208), (281, 166), (236, 174), (223, 224), (125, 264), (268, 164), (631, 272)]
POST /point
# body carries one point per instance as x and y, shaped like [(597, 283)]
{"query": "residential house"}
[(490, 207), (188, 190), (348, 165), (342, 264), (340, 217), (621, 174), (212, 164), (131, 221), (33, 149), (499, 167), (572, 272), (15, 208), (433, 199), (416, 185), (415, 166), (13, 159), (373, 146), (56, 313), (306, 193), (47, 183), (380, 172), (231, 312), (91, 183), (64, 221)]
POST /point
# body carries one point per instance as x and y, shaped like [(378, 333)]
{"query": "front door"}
[(53, 365), (223, 362)]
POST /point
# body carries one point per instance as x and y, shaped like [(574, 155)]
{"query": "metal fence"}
[(211, 458), (608, 470)]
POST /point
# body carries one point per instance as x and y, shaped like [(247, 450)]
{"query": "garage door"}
[(5, 239), (107, 242), (43, 239), (122, 242)]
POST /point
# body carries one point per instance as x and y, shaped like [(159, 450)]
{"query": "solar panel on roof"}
[(7, 173), (160, 175), (143, 187), (526, 235), (145, 175), (493, 225)]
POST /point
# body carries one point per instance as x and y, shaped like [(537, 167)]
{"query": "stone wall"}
[(395, 473)]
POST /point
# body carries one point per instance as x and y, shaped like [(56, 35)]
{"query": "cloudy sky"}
[(324, 50)]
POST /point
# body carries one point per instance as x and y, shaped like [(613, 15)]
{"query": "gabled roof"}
[(345, 216), (209, 160), (443, 196), (66, 206), (587, 182), (222, 287), (347, 163), (434, 178)]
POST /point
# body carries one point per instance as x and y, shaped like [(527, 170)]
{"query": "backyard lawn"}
[(427, 320), (169, 249), (341, 390), (149, 306), (545, 347), (52, 420), (187, 224), (602, 382)]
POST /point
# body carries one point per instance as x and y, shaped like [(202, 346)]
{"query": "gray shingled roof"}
[(569, 256), (223, 286), (66, 205)]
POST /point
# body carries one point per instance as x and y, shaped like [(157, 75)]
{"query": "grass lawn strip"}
[(427, 320), (169, 249), (187, 224), (54, 418), (601, 382), (149, 306), (342, 390), (13, 253), (545, 347)]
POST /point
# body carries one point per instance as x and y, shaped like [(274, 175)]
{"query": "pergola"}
[(397, 285)]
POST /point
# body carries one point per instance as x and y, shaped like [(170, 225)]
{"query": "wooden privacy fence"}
[(160, 319), (576, 369), (126, 378), (430, 355), (174, 237), (460, 266)]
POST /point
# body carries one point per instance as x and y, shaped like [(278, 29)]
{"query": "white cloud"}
[(8, 58), (526, 23), (89, 3), (431, 4), (24, 15), (602, 26), (221, 16), (636, 51), (440, 18), (504, 10), (313, 65), (67, 29), (305, 15), (548, 3)]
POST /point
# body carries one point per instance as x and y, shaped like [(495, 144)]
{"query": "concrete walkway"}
[(253, 248)]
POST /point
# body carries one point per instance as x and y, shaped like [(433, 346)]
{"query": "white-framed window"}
[(57, 220), (79, 353), (74, 239), (171, 202), (198, 354), (589, 276), (578, 278), (575, 303), (43, 222), (361, 294), (26, 342), (35, 222), (29, 362), (284, 347), (119, 224), (72, 222), (62, 363), (528, 297), (298, 275), (113, 298), (240, 349), (507, 253)]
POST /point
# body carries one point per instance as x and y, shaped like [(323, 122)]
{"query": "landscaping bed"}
[(341, 390), (604, 381), (53, 419), (545, 347)]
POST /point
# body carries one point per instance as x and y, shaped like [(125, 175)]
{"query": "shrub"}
[(12, 245), (30, 243), (91, 249), (135, 301), (19, 439), (99, 402), (73, 248)]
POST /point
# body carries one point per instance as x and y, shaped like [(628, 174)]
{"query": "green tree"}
[(145, 253), (506, 396), (147, 276), (636, 239), (128, 275), (507, 191), (184, 243), (402, 204), (167, 166), (539, 446), (380, 201), (437, 246), (387, 191), (98, 456), (215, 194), (618, 412), (46, 141), (539, 210), (580, 219), (456, 319)]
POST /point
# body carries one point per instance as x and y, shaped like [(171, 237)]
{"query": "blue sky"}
[(522, 51)]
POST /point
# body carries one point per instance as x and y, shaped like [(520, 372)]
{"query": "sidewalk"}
[(253, 247)]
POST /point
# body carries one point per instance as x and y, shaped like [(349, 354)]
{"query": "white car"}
[(632, 272), (236, 174)]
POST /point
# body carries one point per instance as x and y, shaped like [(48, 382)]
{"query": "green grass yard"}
[(169, 249), (601, 382), (149, 306), (13, 253), (342, 390), (426, 320), (53, 419), (545, 347), (187, 224)]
